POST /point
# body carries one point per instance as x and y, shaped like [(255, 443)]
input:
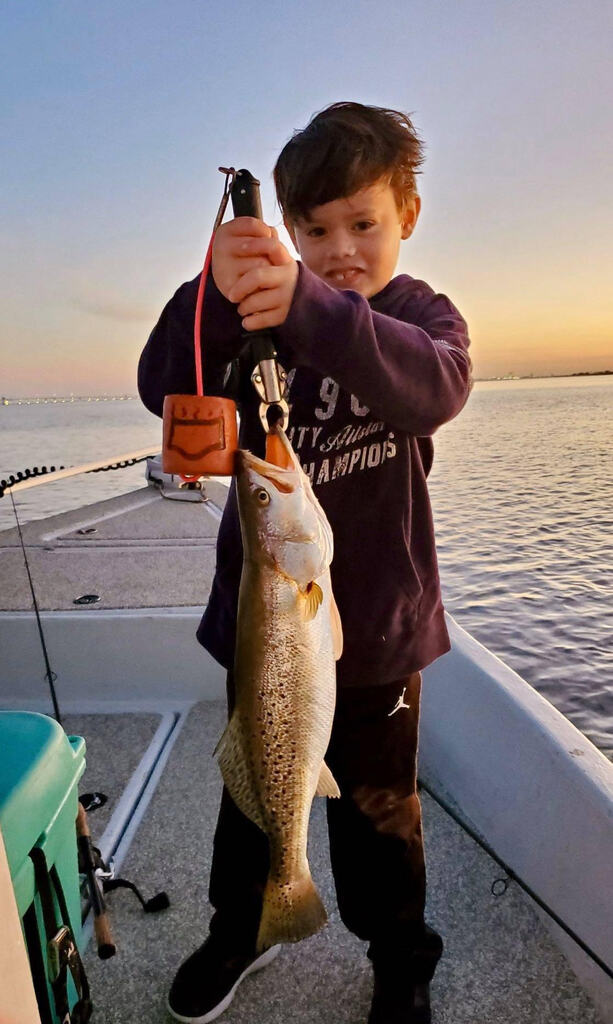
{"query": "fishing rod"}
[(105, 944), (50, 676), (98, 879), (27, 478)]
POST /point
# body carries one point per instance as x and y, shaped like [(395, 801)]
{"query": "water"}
[(521, 491), (71, 434), (522, 488)]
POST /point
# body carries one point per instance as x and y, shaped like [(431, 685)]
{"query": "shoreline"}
[(69, 399), (547, 376)]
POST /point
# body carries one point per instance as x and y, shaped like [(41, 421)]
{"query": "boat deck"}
[(151, 561), (170, 549), (500, 966)]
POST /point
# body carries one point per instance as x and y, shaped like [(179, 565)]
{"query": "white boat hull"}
[(533, 786)]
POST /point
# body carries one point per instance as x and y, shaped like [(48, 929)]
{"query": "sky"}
[(117, 115)]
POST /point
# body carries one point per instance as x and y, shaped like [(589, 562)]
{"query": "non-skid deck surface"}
[(114, 745), (499, 964), (143, 551)]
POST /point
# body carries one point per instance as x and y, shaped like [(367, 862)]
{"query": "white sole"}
[(257, 965)]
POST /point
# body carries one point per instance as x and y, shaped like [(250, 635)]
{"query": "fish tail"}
[(291, 911)]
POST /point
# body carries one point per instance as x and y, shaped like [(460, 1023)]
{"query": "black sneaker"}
[(399, 1002), (205, 983), (402, 978)]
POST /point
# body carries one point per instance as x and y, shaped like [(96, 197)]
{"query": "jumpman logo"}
[(400, 704)]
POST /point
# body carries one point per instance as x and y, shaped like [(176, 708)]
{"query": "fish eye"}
[(262, 497)]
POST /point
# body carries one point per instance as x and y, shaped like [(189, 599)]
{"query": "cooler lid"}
[(39, 764)]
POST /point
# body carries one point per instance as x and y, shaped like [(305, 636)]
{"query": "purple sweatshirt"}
[(371, 381)]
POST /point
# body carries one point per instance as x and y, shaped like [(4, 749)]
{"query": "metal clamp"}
[(107, 872), (61, 950), (270, 381), (230, 174)]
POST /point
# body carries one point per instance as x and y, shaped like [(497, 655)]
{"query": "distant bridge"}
[(63, 399)]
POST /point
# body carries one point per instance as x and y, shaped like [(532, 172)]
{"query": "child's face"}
[(354, 242)]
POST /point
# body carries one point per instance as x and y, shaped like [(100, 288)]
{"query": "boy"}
[(376, 365)]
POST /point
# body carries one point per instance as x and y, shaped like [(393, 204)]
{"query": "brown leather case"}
[(199, 435)]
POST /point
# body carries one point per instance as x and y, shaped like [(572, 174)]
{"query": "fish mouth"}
[(259, 471), (287, 480), (284, 479)]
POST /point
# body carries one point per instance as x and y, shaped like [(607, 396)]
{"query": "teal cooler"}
[(40, 767)]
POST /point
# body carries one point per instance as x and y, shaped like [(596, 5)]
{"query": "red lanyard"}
[(230, 174)]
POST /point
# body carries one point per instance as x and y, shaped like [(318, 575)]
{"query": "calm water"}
[(521, 487), (70, 435)]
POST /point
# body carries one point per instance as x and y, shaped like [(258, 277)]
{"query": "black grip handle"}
[(245, 194)]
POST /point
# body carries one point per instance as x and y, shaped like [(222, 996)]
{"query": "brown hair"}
[(344, 148)]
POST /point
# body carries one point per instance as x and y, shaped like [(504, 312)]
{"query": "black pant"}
[(376, 844)]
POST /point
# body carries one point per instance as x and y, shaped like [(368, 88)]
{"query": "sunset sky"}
[(118, 115)]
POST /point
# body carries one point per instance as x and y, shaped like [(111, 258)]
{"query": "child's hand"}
[(264, 294), (231, 257), (252, 268)]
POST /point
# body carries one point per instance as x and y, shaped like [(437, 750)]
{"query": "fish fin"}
[(236, 774), (327, 785), (291, 910), (312, 598), (337, 628)]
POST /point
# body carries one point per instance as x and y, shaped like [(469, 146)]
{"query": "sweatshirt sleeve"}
[(411, 368), (167, 363)]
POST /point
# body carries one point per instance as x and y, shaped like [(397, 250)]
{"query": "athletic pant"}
[(375, 831)]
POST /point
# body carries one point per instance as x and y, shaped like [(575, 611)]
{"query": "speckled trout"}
[(288, 639)]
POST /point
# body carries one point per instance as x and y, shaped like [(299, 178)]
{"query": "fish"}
[(288, 639)]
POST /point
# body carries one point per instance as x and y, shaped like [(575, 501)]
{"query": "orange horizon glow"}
[(112, 185)]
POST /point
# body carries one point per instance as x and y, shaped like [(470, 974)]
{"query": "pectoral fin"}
[(327, 785), (312, 598)]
